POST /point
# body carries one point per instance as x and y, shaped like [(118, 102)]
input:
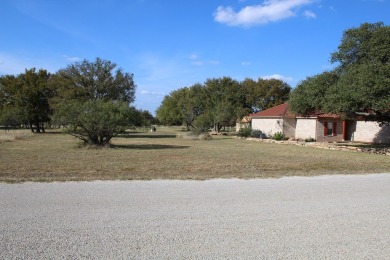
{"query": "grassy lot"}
[(160, 155)]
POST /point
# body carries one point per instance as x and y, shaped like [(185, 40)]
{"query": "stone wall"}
[(289, 125), (268, 126), (305, 128), (370, 132)]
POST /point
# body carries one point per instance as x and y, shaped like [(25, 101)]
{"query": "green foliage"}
[(308, 96), (219, 102), (182, 106), (265, 93), (90, 98), (361, 88), (202, 124), (147, 119), (310, 140), (168, 112), (370, 43), (98, 80), (361, 82), (278, 136), (25, 99), (249, 132), (95, 122), (12, 116), (245, 132), (93, 99), (225, 101)]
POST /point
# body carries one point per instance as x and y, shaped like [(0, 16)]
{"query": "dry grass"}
[(160, 155), (12, 135)]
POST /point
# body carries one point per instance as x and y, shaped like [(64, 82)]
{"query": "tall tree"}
[(225, 101), (369, 43), (265, 93), (10, 111), (168, 113), (25, 98), (98, 80), (94, 100), (182, 106), (308, 96)]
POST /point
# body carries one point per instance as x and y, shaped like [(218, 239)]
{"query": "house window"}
[(330, 128)]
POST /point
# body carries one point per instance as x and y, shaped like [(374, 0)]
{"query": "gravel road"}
[(328, 217)]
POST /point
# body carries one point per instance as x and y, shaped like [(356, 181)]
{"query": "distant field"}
[(160, 155)]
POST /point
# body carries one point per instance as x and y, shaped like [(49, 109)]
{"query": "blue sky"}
[(168, 44)]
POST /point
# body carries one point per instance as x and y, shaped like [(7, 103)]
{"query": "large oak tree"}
[(93, 100), (359, 85)]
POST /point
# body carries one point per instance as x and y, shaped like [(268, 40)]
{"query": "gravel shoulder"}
[(343, 217)]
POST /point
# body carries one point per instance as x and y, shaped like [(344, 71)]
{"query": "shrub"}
[(310, 139), (256, 133), (245, 132), (278, 136), (95, 122)]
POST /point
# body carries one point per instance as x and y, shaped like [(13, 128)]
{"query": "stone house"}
[(320, 126)]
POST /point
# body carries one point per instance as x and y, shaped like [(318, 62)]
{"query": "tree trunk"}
[(31, 126), (38, 126)]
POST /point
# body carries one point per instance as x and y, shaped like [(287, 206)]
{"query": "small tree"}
[(95, 122), (93, 101)]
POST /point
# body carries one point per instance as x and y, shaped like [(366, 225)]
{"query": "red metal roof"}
[(277, 111), (282, 111)]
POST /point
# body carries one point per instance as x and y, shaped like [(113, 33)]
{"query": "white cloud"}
[(213, 62), (245, 63), (310, 14), (268, 11), (72, 59), (280, 77), (193, 56), (152, 93), (195, 60)]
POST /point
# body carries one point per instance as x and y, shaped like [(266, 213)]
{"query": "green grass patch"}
[(160, 155)]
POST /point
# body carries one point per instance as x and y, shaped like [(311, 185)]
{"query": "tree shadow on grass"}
[(52, 133), (157, 136), (148, 146)]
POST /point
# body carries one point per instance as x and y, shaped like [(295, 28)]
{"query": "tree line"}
[(91, 99), (220, 102)]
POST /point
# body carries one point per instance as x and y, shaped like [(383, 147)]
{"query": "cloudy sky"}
[(168, 44)]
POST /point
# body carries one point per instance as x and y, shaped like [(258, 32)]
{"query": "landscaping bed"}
[(349, 146)]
